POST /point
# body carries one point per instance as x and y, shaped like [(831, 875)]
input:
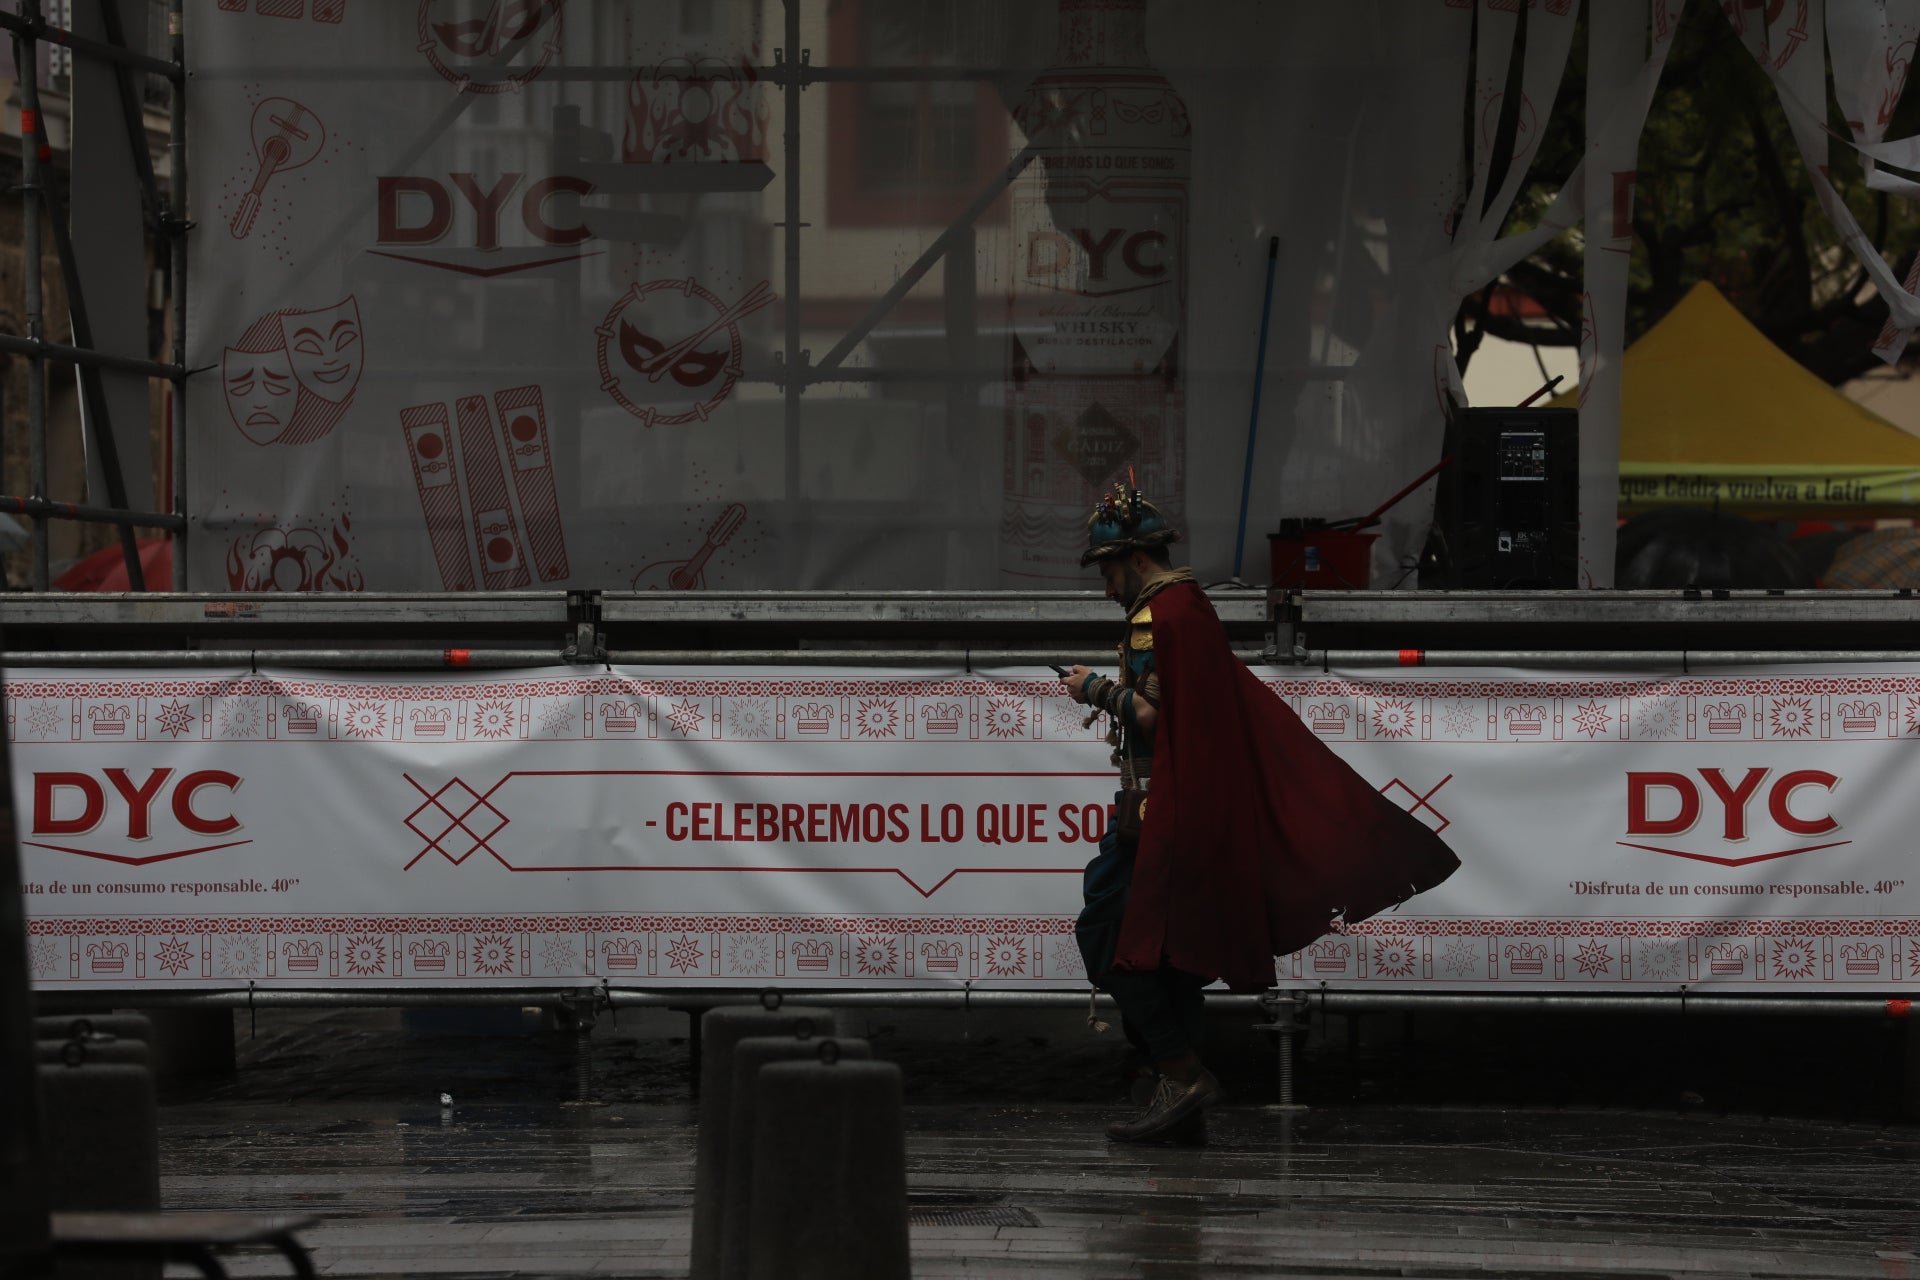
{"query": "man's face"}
[(1122, 579)]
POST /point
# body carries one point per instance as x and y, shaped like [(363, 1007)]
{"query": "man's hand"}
[(1076, 682)]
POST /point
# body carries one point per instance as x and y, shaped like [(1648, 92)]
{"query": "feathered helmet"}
[(1123, 522)]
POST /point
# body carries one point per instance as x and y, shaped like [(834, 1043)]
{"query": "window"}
[(911, 151)]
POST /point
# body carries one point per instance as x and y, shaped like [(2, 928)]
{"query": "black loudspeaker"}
[(1507, 513)]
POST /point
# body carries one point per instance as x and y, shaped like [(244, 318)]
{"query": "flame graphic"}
[(300, 559)]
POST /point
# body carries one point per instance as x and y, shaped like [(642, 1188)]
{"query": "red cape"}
[(1257, 837)]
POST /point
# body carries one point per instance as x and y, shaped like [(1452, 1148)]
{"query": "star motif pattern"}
[(1460, 958), (492, 953), (747, 955), (877, 956), (750, 718), (366, 956), (878, 718), (176, 718), (1658, 718), (174, 956), (1006, 718), (1006, 957), (1594, 959), (240, 957), (44, 955), (1793, 958), (1592, 719), (1791, 717), (559, 955), (366, 720), (1069, 720), (683, 954), (1393, 958), (686, 718), (1066, 957), (556, 718), (493, 719), (1913, 959), (1459, 719), (1661, 960), (240, 719), (1393, 718), (43, 719)]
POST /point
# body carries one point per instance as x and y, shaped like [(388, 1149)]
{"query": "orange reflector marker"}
[(458, 657), (1899, 1008), (1413, 657)]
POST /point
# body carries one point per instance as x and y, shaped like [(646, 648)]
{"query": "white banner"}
[(814, 828)]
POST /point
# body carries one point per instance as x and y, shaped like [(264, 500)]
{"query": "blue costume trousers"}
[(1162, 1013)]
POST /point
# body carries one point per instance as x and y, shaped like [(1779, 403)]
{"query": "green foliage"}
[(1722, 196)]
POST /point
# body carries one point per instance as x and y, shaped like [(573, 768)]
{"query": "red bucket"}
[(1322, 559)]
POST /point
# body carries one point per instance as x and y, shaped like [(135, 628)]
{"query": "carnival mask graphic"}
[(260, 392), (293, 374), (670, 351), (465, 40), (324, 347), (642, 352)]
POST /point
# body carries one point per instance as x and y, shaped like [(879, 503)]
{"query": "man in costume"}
[(1237, 835)]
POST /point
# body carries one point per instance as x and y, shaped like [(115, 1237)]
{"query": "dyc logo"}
[(124, 808), (1795, 805)]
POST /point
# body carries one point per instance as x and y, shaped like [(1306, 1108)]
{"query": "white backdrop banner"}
[(863, 828)]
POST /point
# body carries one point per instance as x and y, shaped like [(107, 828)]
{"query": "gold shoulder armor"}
[(1144, 618), (1142, 637)]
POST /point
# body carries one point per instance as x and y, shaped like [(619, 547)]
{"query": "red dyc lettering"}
[(139, 799), (1782, 792), (183, 810), (1734, 799), (47, 785), (1639, 823)]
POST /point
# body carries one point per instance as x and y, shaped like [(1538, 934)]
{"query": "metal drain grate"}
[(999, 1215)]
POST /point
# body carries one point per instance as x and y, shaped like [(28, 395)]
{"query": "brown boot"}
[(1173, 1104)]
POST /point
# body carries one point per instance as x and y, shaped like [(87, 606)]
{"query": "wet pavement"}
[(338, 1115)]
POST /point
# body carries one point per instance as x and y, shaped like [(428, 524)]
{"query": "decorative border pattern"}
[(688, 950), (266, 709)]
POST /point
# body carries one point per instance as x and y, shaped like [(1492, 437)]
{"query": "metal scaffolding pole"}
[(26, 60), (42, 509), (34, 142), (176, 228), (791, 59)]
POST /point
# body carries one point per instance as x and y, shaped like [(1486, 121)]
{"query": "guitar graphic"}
[(690, 574), (286, 135)]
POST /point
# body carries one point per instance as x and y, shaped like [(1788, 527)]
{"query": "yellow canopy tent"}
[(1713, 414)]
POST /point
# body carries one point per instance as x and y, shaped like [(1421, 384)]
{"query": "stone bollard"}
[(748, 1057), (101, 1125), (720, 1030), (95, 1048), (78, 1026), (829, 1195), (100, 1139)]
